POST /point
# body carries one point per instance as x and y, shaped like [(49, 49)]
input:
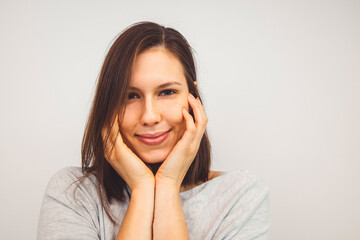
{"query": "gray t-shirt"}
[(234, 205)]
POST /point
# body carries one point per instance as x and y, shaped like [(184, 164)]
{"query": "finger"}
[(198, 110), (199, 114), (110, 135), (115, 134), (190, 131)]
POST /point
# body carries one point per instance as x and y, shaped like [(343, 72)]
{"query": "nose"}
[(150, 113)]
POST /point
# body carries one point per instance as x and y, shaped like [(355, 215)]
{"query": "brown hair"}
[(111, 95)]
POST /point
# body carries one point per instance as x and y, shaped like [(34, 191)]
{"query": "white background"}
[(280, 81)]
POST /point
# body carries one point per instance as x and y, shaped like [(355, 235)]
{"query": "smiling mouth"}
[(153, 138)]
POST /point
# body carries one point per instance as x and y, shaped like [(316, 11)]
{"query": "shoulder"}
[(235, 183), (247, 186), (241, 191), (69, 177), (214, 174), (238, 179), (234, 204), (247, 199), (243, 186), (66, 174), (68, 185), (69, 204)]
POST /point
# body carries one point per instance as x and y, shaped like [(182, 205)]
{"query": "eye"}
[(167, 92), (133, 96)]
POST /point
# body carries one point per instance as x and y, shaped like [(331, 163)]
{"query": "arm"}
[(169, 219), (137, 222)]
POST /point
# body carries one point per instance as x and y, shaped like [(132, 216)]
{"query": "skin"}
[(153, 109), (158, 101)]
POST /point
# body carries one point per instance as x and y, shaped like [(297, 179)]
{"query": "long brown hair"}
[(110, 98)]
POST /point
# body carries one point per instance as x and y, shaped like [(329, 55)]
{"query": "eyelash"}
[(166, 92), (132, 96)]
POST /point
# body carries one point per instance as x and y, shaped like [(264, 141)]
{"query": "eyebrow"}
[(164, 85)]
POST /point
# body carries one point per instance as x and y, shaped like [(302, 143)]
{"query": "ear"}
[(196, 85)]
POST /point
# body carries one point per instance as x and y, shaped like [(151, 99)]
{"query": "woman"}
[(146, 156)]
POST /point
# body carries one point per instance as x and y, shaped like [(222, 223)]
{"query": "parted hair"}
[(110, 98)]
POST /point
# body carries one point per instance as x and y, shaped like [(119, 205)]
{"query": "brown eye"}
[(133, 96), (167, 92)]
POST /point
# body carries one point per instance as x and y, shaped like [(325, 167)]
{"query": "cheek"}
[(128, 120), (173, 111)]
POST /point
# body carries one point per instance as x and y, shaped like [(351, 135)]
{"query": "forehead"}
[(156, 66)]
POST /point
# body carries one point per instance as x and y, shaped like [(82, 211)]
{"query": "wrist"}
[(143, 187), (167, 186)]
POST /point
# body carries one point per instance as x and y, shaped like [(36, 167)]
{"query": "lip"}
[(153, 138)]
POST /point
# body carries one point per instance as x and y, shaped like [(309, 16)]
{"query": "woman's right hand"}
[(125, 162)]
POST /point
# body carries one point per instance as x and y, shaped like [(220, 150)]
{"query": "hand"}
[(174, 168), (125, 162)]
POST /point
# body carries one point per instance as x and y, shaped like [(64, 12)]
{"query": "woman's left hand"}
[(173, 170)]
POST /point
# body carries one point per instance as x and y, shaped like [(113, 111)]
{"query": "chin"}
[(156, 157)]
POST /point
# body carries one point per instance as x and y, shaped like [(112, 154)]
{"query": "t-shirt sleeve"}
[(249, 218), (65, 215)]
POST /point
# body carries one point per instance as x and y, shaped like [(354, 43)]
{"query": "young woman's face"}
[(153, 122)]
